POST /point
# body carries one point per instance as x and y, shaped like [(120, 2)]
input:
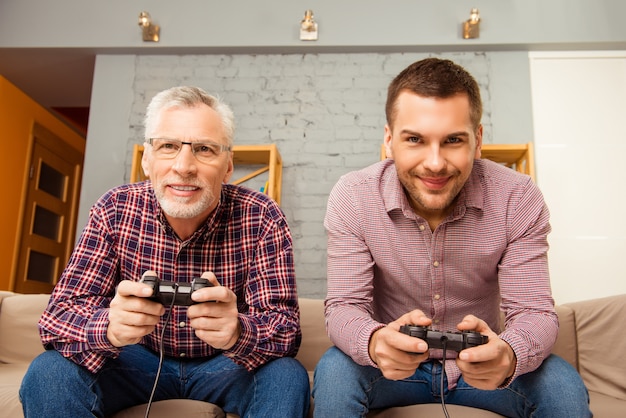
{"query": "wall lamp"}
[(308, 27), (471, 27), (150, 32)]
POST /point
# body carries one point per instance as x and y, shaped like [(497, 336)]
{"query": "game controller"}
[(163, 291), (454, 341)]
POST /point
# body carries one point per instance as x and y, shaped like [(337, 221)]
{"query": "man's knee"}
[(286, 370), (334, 365), (51, 366), (556, 372), (52, 381), (556, 386)]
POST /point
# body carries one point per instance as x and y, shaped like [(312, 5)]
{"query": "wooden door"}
[(48, 227)]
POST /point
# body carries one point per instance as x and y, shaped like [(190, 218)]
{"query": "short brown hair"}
[(435, 77)]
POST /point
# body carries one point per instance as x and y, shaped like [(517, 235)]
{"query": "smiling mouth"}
[(435, 183), (182, 188)]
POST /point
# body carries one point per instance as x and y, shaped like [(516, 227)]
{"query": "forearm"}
[(531, 337), (82, 340), (266, 337), (350, 329)]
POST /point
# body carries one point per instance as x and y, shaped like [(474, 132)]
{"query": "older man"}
[(234, 345)]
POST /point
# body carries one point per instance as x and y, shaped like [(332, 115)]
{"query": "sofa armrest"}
[(19, 334), (601, 344)]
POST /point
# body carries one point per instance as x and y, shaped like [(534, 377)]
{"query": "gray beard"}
[(179, 207)]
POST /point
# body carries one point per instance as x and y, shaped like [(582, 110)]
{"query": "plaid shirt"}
[(246, 242), (488, 255)]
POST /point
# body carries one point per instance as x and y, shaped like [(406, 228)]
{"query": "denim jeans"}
[(57, 387), (345, 389)]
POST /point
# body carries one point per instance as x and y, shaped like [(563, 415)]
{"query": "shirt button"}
[(422, 227), (436, 321), (436, 264), (182, 355), (182, 324), (437, 297)]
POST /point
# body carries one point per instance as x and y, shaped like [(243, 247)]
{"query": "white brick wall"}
[(324, 111)]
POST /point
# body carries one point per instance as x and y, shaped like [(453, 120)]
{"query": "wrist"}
[(512, 367)]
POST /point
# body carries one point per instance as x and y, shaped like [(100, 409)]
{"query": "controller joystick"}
[(164, 291), (454, 341)]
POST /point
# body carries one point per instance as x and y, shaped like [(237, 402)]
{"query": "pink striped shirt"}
[(488, 256)]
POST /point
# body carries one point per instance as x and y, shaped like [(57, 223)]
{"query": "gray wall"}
[(322, 102), (324, 111), (111, 26)]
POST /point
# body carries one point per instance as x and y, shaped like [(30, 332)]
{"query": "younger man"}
[(437, 237)]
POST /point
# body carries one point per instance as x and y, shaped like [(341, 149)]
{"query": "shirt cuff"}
[(520, 351), (96, 332), (364, 345)]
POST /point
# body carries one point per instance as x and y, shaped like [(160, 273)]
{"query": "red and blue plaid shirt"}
[(246, 242), (489, 255)]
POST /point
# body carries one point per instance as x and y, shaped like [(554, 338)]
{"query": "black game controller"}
[(454, 341), (163, 291)]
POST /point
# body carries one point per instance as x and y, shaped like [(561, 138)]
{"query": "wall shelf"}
[(265, 155), (519, 157)]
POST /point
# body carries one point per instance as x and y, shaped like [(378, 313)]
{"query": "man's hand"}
[(486, 366), (131, 315), (398, 355), (215, 317)]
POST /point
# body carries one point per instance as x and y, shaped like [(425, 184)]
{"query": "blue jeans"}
[(56, 387), (343, 389)]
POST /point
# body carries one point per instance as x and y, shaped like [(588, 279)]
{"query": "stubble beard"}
[(433, 200)]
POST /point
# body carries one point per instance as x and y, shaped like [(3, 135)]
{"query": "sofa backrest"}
[(315, 341), (19, 335), (601, 344), (566, 343)]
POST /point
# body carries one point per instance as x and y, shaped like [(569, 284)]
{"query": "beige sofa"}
[(591, 339)]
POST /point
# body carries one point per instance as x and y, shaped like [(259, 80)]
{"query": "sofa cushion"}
[(19, 335), (174, 408), (604, 406), (11, 376), (601, 344), (432, 410)]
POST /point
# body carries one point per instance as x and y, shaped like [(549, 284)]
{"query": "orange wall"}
[(18, 113)]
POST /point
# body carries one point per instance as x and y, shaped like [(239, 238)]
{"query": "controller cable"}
[(161, 355), (444, 342)]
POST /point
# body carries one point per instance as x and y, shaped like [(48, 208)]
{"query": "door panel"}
[(50, 210)]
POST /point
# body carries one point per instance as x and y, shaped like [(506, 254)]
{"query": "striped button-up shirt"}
[(489, 255), (246, 242)]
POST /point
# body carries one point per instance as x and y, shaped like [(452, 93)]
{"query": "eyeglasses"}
[(205, 152)]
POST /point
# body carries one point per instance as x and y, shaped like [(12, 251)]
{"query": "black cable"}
[(161, 355), (444, 341)]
